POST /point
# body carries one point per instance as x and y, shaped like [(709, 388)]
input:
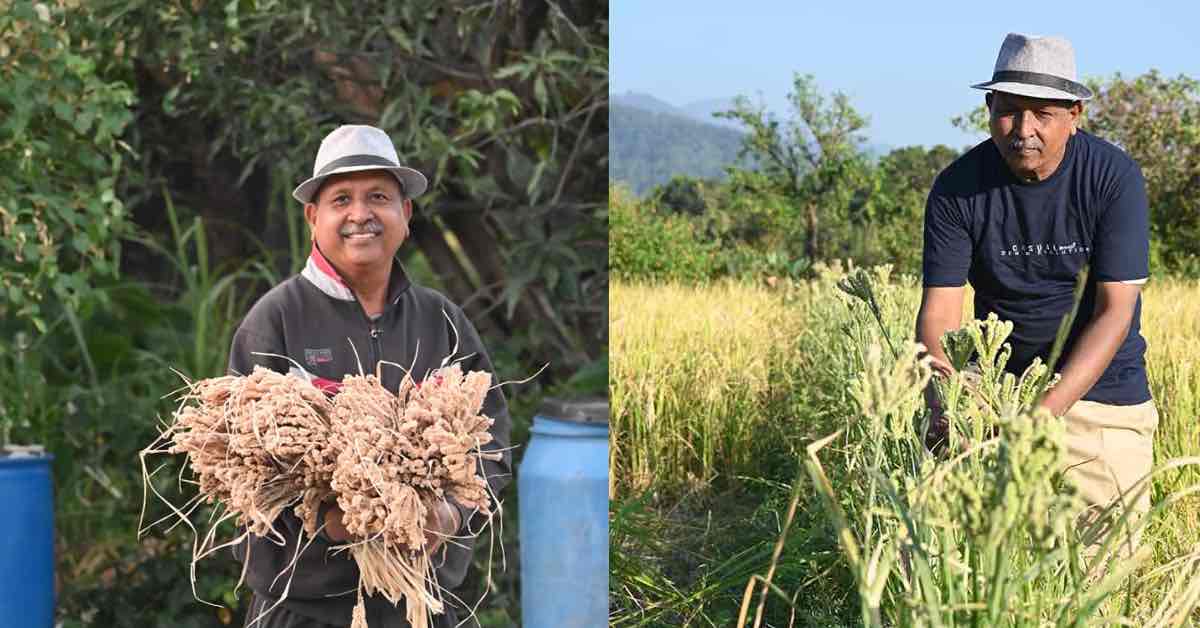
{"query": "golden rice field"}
[(709, 382)]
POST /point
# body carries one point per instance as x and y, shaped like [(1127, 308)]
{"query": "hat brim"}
[(1034, 91), (413, 182)]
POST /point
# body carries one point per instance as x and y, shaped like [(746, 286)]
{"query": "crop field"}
[(768, 468)]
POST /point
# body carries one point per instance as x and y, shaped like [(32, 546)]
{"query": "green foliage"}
[(894, 210), (649, 148), (812, 158), (1157, 121), (758, 229), (646, 244), (90, 390), (60, 124), (681, 195), (95, 421), (499, 106)]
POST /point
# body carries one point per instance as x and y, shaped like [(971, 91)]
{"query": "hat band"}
[(356, 160), (1043, 80)]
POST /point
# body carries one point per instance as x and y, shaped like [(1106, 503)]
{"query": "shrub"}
[(643, 244)]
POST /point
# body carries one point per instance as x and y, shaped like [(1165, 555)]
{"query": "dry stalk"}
[(264, 442), (399, 457)]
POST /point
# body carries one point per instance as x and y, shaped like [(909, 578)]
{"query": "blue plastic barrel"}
[(562, 489), (26, 542)]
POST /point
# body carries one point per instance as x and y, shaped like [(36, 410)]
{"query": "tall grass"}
[(792, 355), (215, 298), (690, 380), (705, 380)]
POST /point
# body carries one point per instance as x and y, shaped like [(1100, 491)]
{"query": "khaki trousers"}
[(1109, 449)]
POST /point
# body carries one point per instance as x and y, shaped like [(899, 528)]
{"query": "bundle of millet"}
[(264, 442), (398, 457), (257, 444)]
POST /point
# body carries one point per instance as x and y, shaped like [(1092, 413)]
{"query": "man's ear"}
[(310, 216), (1076, 115), (987, 100), (407, 208)]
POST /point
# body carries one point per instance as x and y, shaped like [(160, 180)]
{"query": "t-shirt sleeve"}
[(946, 258), (1121, 247)]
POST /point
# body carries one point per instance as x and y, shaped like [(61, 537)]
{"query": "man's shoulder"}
[(425, 294), (287, 293), (1097, 149), (431, 300), (968, 173)]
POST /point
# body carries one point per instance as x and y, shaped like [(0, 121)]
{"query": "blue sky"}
[(907, 65)]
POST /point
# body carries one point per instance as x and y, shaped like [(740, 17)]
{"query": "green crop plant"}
[(986, 532), (718, 391)]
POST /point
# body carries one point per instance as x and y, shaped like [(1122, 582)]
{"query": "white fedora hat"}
[(356, 147), (1037, 67)]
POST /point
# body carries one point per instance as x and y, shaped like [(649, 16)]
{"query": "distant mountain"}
[(645, 102), (700, 110), (703, 111), (651, 140), (646, 148)]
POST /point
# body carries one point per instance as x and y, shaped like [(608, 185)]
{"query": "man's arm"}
[(1120, 263), (947, 250), (941, 311), (1097, 344), (250, 344)]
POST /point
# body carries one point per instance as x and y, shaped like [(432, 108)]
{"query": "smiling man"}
[(352, 307), (1018, 216)]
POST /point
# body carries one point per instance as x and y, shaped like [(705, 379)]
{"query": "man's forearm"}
[(1093, 352), (929, 333)]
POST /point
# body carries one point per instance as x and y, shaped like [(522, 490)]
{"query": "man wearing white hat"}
[(1018, 216), (352, 307)]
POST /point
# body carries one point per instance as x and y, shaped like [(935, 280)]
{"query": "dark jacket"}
[(316, 321)]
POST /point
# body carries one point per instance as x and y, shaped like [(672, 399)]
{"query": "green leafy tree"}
[(1157, 121), (681, 195), (903, 178), (503, 105), (645, 244), (60, 124), (176, 132), (813, 158)]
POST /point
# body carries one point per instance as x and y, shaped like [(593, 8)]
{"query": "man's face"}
[(359, 219), (1032, 133)]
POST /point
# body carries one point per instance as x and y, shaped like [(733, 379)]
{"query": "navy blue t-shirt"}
[(1021, 245)]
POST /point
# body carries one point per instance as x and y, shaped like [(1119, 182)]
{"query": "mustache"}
[(1016, 145), (371, 227)]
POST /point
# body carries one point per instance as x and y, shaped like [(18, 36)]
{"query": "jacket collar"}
[(320, 273)]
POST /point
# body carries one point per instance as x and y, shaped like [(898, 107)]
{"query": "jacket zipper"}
[(376, 350)]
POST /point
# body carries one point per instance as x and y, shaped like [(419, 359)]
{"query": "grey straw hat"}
[(355, 147), (1037, 67)]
